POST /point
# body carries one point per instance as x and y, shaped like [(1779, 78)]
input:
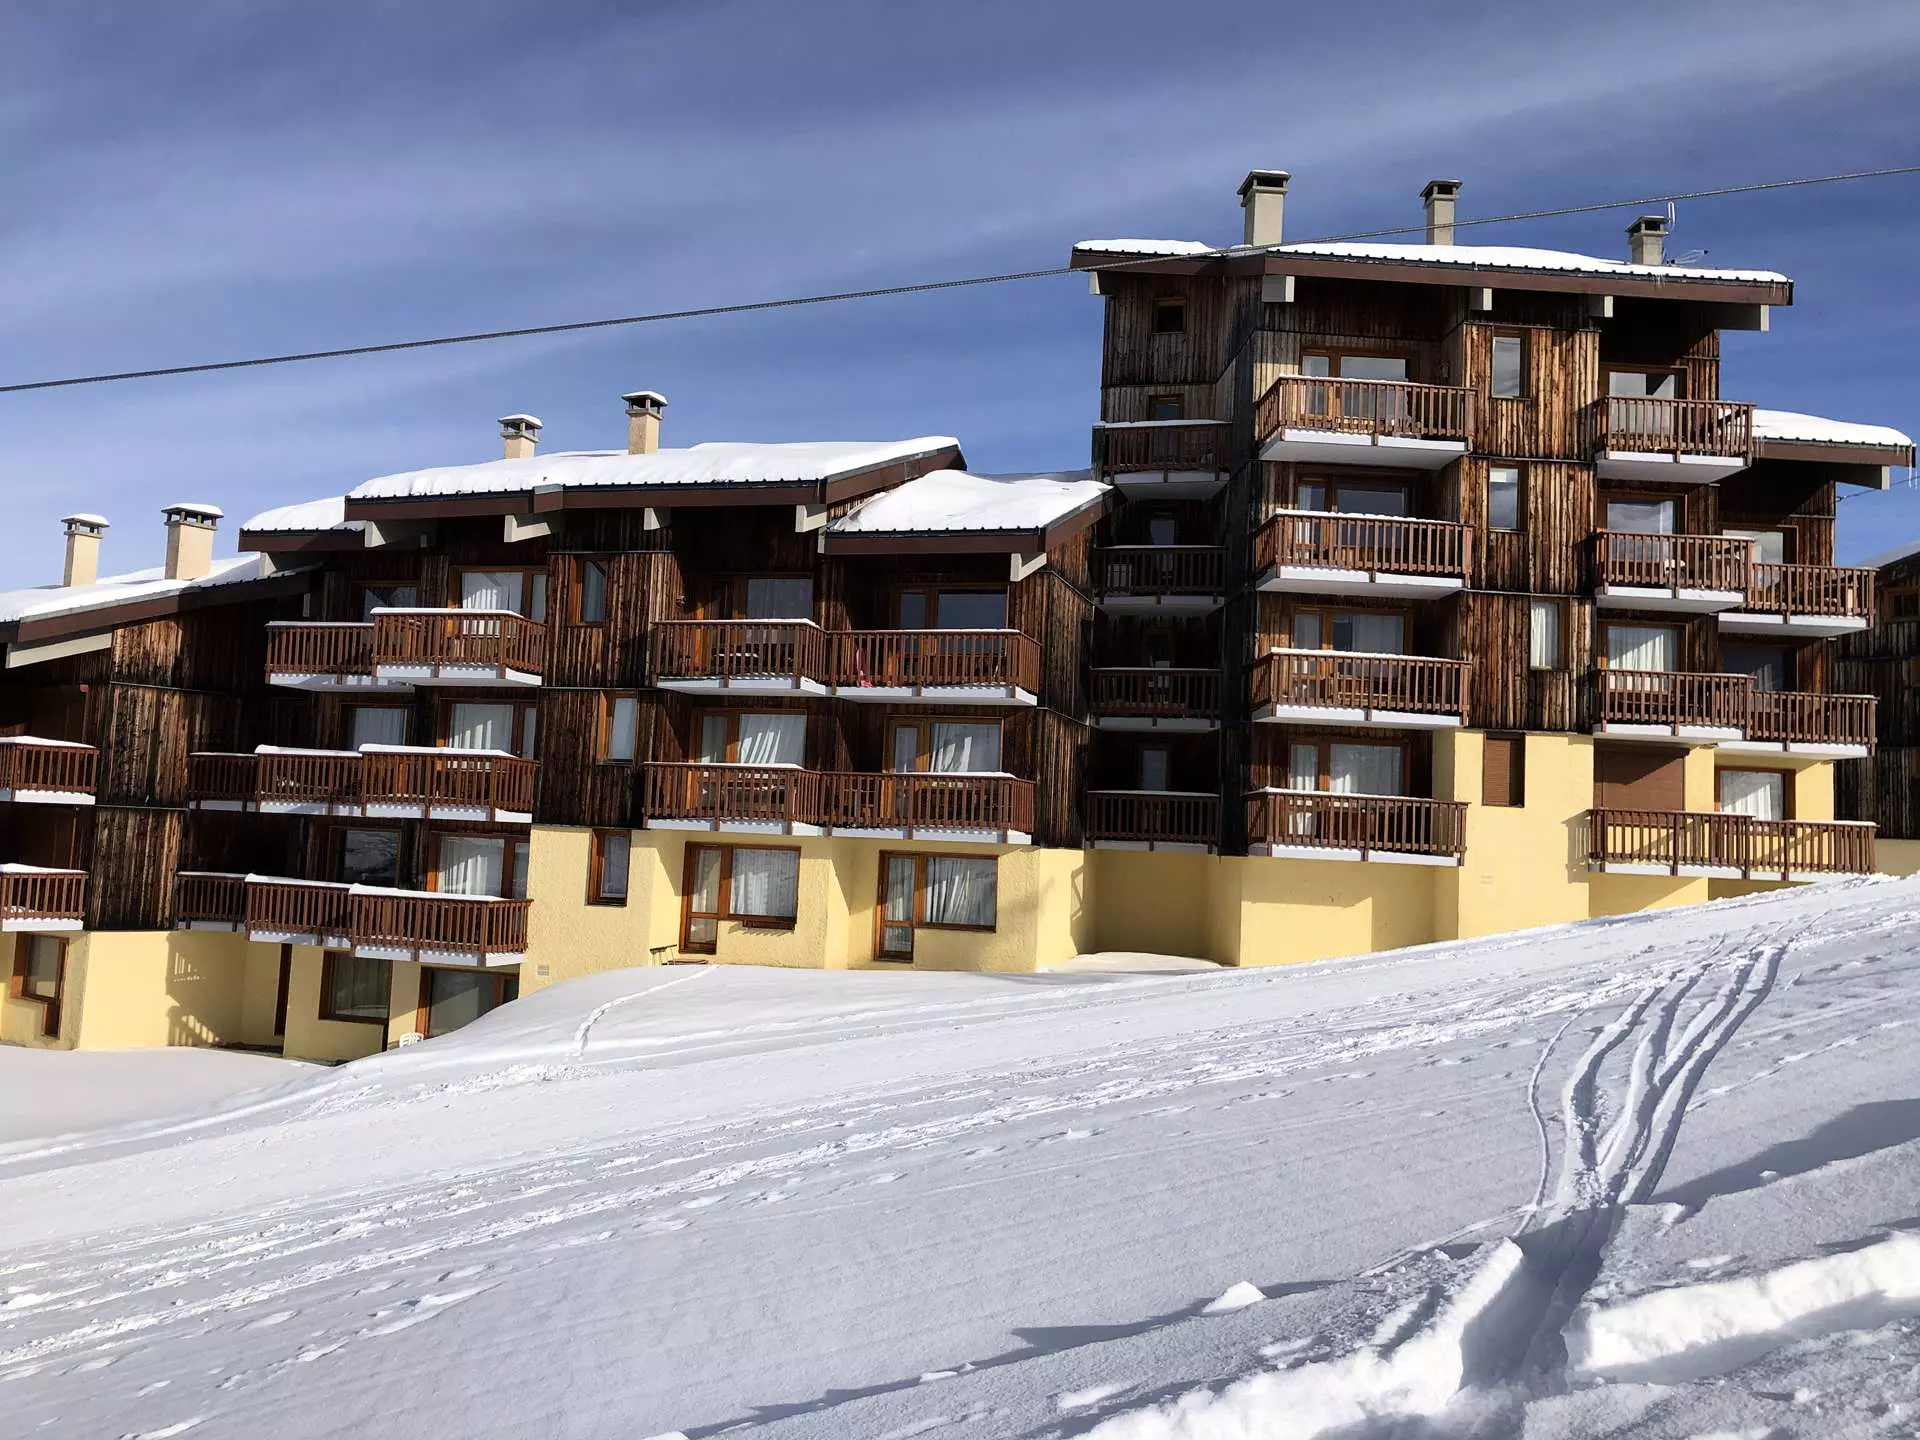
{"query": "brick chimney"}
[(83, 548), (1263, 198), (645, 410), (1439, 197), (521, 434), (1647, 239), (190, 530)]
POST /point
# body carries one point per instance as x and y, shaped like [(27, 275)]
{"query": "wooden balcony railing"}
[(1678, 841), (929, 802), (1398, 408), (748, 794), (1801, 718), (1390, 543), (1340, 679), (306, 777), (29, 765), (315, 647), (933, 659), (494, 641), (223, 775), (1170, 817), (417, 921), (1182, 445), (1143, 692), (430, 776), (1160, 570), (736, 650), (1677, 562), (1317, 819), (209, 896), (298, 907), (1828, 591), (1675, 698), (1639, 425), (32, 892)]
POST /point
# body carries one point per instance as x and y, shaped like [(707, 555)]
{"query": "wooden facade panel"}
[(1136, 354), (1507, 693), (1560, 371), (132, 859), (1661, 334), (1551, 552)]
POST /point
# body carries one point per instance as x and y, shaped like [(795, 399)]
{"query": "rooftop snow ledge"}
[(954, 501), (1791, 425)]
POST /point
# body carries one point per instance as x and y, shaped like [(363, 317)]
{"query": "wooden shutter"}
[(1503, 768), (1635, 777)]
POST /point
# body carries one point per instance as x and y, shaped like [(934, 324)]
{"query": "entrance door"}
[(896, 917), (700, 926)]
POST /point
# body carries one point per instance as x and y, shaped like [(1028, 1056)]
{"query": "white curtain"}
[(713, 740), (766, 883), (1379, 634), (456, 998), (1640, 647), (481, 727), (623, 727), (378, 725), (1364, 770), (615, 846), (490, 590), (1769, 546), (470, 865), (1758, 793), (1303, 768), (773, 739), (960, 891), (787, 597), (1543, 638), (965, 749), (1641, 517)]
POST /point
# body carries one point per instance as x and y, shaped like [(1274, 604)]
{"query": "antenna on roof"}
[(1689, 257)]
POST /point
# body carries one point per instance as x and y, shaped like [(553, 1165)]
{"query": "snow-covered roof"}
[(715, 463), (307, 515), (1792, 426), (949, 501), (45, 600), (1459, 257)]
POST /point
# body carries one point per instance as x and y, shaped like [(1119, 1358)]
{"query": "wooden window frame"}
[(1520, 488), (526, 574), (522, 709), (509, 866), (1358, 478), (734, 591), (603, 728), (328, 960), (1560, 633), (52, 1007), (1169, 304), (1900, 602), (733, 716), (1603, 498), (724, 902), (1167, 397), (338, 847), (1516, 772), (1323, 780), (581, 565), (1786, 785), (919, 921), (1608, 368), (923, 740), (1334, 356), (1519, 337), (1602, 650), (423, 1000), (348, 710), (364, 587), (932, 594), (596, 861), (1326, 614)]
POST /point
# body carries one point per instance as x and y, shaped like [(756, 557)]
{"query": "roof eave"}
[(1023, 540), (91, 621)]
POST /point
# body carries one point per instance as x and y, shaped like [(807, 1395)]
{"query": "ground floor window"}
[(942, 892), (353, 987), (752, 884), (452, 998), (40, 975), (1759, 794), (607, 867)]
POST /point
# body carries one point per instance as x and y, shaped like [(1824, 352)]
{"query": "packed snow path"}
[(1652, 1175)]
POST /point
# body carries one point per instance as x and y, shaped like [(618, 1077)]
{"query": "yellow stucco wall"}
[(311, 1038), (1897, 857), (1280, 912), (1526, 865), (1159, 903)]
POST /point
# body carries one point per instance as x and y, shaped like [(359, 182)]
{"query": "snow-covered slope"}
[(1650, 1176)]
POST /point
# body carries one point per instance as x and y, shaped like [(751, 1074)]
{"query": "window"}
[(1153, 768), (1640, 515), (387, 597), (1372, 632), (1759, 794), (376, 725), (40, 975), (1170, 315), (370, 857), (1350, 498), (1503, 770), (1769, 546), (607, 867), (730, 737), (949, 892), (1508, 353), (490, 725), (1642, 647), (593, 592), (1166, 407), (778, 597), (953, 610), (490, 865), (619, 727), (354, 988), (523, 592), (749, 884), (452, 998), (947, 747), (1163, 529), (1770, 665), (1345, 768), (1332, 364), (1545, 626), (1643, 384), (1503, 497)]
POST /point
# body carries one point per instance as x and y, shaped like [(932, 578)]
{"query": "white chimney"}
[(521, 434), (1439, 198), (1647, 239), (1263, 198), (83, 548), (190, 530), (645, 409)]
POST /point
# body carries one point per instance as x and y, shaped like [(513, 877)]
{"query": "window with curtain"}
[(1544, 630), (611, 853), (1640, 517), (620, 734), (764, 884), (942, 891), (959, 749), (354, 988), (1769, 546), (715, 739), (700, 927), (593, 592), (453, 998), (1642, 647), (1364, 769), (1508, 353), (1370, 633), (491, 590), (1303, 766), (898, 888), (473, 726), (961, 891), (780, 597), (776, 739), (376, 725), (1760, 794), (1643, 384), (370, 857), (387, 597), (472, 865), (1503, 497)]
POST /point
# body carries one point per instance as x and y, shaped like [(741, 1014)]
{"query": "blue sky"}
[(240, 176)]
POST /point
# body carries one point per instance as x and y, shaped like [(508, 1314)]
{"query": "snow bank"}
[(83, 1090)]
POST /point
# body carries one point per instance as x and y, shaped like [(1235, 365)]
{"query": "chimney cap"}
[(81, 520), (1648, 225), (194, 512), (1442, 189), (645, 400), (1264, 180), (519, 422)]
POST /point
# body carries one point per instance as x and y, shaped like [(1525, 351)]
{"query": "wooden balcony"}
[(1340, 687), (755, 657), (437, 929), (1145, 698), (989, 808), (1152, 820), (46, 772), (1793, 722), (1160, 578), (1673, 705), (209, 900), (755, 799), (1686, 441), (1696, 574), (1803, 602), (458, 647), (1317, 825), (395, 782), (325, 655), (1364, 422), (1174, 459), (1315, 552), (298, 912), (989, 667), (1726, 846), (41, 900)]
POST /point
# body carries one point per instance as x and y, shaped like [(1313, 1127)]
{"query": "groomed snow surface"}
[(1656, 1176)]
